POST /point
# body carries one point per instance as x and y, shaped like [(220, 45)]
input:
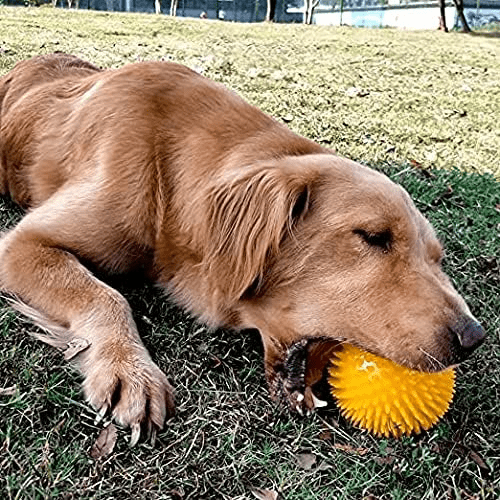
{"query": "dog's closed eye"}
[(381, 240)]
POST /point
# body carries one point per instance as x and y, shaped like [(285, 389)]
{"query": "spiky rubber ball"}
[(386, 398)]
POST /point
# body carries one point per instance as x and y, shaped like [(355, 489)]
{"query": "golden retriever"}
[(241, 221)]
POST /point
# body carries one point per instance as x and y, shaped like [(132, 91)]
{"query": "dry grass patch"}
[(428, 97)]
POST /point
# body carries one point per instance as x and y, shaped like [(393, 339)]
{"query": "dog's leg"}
[(37, 267)]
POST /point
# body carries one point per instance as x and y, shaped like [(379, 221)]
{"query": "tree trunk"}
[(310, 6), (271, 10), (442, 16), (173, 7), (460, 11)]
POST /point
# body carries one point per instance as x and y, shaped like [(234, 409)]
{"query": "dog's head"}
[(321, 247)]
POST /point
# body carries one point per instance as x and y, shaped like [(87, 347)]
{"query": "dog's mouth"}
[(307, 362)]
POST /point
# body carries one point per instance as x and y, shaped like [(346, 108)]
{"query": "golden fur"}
[(243, 222)]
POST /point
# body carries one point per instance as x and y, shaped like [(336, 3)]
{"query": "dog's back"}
[(21, 125)]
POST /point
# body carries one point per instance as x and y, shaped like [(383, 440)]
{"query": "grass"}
[(429, 97), (227, 437)]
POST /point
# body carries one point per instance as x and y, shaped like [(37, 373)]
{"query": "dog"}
[(247, 225)]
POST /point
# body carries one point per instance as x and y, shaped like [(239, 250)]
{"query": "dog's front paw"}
[(287, 381), (303, 402), (128, 385)]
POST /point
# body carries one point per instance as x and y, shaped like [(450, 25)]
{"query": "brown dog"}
[(243, 222)]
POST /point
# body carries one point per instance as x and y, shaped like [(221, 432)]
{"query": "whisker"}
[(436, 364)]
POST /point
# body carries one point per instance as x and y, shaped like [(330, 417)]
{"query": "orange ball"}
[(386, 398)]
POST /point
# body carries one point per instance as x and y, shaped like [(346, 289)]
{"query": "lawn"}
[(423, 107)]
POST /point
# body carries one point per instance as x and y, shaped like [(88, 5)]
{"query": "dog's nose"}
[(470, 333)]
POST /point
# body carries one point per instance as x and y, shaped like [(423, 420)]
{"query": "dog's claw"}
[(136, 434), (153, 436), (151, 433), (100, 415), (318, 403)]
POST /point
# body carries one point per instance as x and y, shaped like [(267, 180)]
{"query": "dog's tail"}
[(55, 334)]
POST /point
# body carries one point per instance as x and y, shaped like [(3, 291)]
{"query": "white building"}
[(406, 14)]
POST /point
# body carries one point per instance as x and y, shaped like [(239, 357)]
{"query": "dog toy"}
[(386, 398)]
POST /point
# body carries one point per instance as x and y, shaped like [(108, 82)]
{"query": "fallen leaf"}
[(253, 73), (356, 92), (384, 460), (216, 362), (58, 427), (175, 495), (418, 166), (282, 75), (464, 451), (306, 461), (264, 494), (478, 460), (8, 391), (75, 347), (105, 443), (351, 449), (45, 458), (431, 156), (325, 435)]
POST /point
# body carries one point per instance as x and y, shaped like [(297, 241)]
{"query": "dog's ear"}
[(249, 214)]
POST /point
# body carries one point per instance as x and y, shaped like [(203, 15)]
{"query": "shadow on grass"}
[(485, 34)]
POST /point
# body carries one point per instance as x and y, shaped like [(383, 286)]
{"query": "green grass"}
[(227, 436)]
